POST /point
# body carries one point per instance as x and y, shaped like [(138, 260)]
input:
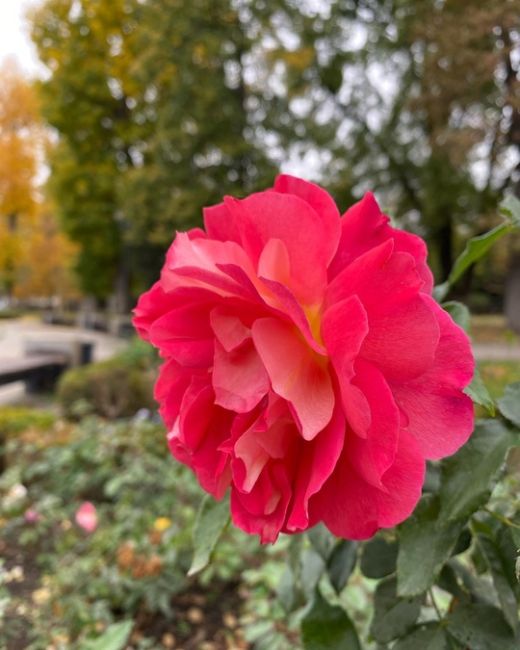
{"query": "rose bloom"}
[(306, 366), (86, 517)]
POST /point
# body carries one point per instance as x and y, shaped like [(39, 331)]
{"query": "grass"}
[(492, 328), (497, 374)]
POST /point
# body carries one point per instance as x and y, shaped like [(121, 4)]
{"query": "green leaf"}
[(468, 476), (427, 637), (328, 627), (425, 545), (481, 627), (322, 540), (479, 393), (379, 557), (510, 207), (509, 403), (448, 581), (499, 553), (463, 542), (115, 637), (286, 589), (393, 616), (212, 518), (477, 587), (475, 249), (341, 563), (432, 480), (312, 566), (459, 312)]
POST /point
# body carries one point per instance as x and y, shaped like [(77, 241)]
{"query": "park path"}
[(15, 333), (496, 351)]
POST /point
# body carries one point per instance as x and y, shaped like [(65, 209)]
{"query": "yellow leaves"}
[(35, 258), (18, 103), (295, 60), (200, 54), (46, 261)]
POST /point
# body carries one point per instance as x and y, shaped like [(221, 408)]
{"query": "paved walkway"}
[(15, 333), (496, 351)]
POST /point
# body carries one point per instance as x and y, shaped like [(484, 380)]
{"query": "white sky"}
[(14, 34)]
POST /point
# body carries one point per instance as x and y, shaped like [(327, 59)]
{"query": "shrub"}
[(16, 419), (135, 562), (115, 388), (110, 388)]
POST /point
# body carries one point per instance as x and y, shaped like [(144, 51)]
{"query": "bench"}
[(39, 372), (43, 363)]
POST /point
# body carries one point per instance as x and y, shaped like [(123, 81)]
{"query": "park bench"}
[(43, 363)]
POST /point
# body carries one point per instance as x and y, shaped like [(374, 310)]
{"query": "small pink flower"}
[(86, 517), (31, 516), (307, 367)]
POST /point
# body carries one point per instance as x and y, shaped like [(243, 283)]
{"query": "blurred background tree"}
[(46, 268), (19, 135), (163, 106), (418, 101), (35, 258)]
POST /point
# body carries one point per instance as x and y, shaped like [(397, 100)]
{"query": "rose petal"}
[(151, 305), (363, 227), (296, 374), (185, 334), (317, 461), (286, 217), (321, 201), (343, 348), (263, 510), (353, 509), (374, 453), (239, 378), (440, 415), (402, 342)]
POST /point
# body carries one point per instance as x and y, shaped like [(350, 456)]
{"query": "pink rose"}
[(307, 366), (31, 516), (86, 517)]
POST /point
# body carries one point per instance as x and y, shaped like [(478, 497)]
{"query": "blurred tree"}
[(20, 139), (47, 258), (86, 46), (150, 104), (162, 106), (418, 101), (197, 139)]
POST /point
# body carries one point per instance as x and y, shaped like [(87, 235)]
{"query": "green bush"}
[(16, 419), (9, 313), (115, 388)]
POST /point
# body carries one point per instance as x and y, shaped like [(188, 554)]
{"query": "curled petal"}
[(317, 461), (263, 510), (364, 227), (240, 380), (304, 382), (440, 415), (286, 217), (151, 305)]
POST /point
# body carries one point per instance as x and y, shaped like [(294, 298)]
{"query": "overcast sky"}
[(14, 37)]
